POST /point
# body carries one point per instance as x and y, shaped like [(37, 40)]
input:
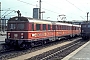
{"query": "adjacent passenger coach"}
[(26, 32)]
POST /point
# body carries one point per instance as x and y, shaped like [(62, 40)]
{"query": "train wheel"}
[(32, 44), (24, 46), (44, 42)]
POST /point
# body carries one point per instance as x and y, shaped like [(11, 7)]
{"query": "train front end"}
[(85, 30), (16, 31)]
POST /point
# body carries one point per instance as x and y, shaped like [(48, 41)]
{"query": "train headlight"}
[(22, 35), (8, 35)]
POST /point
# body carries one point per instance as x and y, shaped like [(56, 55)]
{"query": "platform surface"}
[(82, 53), (2, 39)]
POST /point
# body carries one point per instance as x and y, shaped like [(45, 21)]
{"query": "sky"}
[(74, 10)]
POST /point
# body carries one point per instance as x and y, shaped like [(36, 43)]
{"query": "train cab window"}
[(49, 27), (20, 26), (12, 26), (44, 26), (83, 25), (37, 26)]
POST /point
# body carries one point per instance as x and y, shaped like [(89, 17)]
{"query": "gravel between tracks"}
[(58, 53), (13, 54)]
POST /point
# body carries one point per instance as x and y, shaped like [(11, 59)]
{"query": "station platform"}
[(82, 53), (2, 33), (2, 39)]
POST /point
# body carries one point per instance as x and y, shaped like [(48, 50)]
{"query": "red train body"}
[(24, 32)]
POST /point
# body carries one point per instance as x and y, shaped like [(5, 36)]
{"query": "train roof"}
[(28, 19), (85, 23)]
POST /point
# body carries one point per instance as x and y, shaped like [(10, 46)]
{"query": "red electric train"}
[(25, 32)]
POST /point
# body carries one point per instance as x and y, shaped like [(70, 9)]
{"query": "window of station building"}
[(49, 27), (44, 26), (38, 26)]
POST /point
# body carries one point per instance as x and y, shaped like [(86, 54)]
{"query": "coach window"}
[(32, 26), (44, 26), (57, 27), (49, 27), (37, 26), (53, 27), (63, 27)]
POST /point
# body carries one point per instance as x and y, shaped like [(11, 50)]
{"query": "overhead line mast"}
[(87, 16), (39, 9)]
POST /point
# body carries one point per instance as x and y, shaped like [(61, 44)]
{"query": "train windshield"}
[(83, 25), (20, 26), (14, 26)]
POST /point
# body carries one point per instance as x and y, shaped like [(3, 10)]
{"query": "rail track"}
[(60, 52), (11, 53)]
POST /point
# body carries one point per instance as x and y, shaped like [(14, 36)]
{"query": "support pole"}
[(87, 16), (40, 9)]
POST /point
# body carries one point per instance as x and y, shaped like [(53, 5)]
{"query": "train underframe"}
[(16, 43), (85, 36)]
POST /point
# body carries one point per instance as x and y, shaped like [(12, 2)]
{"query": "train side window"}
[(53, 27), (63, 27), (76, 28), (32, 27), (89, 26), (37, 26), (67, 27), (70, 27), (59, 27), (49, 27), (44, 26)]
